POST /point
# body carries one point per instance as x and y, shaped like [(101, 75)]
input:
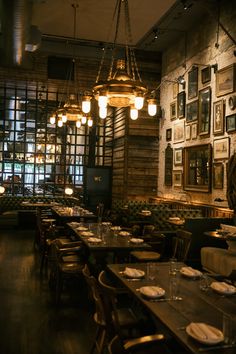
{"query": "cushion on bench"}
[(218, 260)]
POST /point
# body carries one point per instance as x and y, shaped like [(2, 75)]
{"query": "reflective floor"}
[(30, 323)]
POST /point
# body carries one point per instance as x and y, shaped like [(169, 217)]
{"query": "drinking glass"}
[(204, 283), (174, 287), (151, 270), (173, 266), (229, 328)]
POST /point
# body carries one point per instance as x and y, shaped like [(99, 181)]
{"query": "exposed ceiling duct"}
[(15, 30)]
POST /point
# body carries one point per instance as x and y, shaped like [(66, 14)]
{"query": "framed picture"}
[(225, 80), (192, 111), (218, 175), (168, 134), (204, 111), (173, 113), (181, 98), (178, 156), (218, 117), (168, 165), (231, 123), (206, 74), (197, 168), (193, 83), (177, 178), (194, 131), (178, 134), (221, 148), (188, 132), (175, 89)]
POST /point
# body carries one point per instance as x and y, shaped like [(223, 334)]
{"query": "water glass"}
[(229, 328), (204, 283), (174, 287), (173, 266), (151, 270)]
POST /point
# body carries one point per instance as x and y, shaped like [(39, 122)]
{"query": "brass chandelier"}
[(123, 86), (73, 110)]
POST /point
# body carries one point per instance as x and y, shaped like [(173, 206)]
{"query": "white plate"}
[(136, 240), (116, 228), (190, 272), (82, 228), (87, 233), (133, 273), (124, 233), (94, 240), (202, 333), (152, 292), (223, 288)]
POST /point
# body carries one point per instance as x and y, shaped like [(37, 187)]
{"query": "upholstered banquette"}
[(14, 211)]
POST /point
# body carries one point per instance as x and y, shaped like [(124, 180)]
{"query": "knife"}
[(222, 346)]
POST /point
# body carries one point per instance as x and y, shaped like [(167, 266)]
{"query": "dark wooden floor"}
[(29, 321)]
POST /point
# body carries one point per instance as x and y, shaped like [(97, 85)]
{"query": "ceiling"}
[(154, 23)]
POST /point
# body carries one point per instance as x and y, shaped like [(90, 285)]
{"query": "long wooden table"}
[(195, 306), (119, 246), (68, 214)]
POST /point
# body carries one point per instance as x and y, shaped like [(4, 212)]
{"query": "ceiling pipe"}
[(15, 27)]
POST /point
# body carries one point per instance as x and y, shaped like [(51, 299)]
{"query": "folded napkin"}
[(124, 233), (94, 240), (116, 228), (152, 291), (189, 271), (223, 287), (205, 332), (136, 240), (87, 233), (229, 228), (82, 228), (134, 273)]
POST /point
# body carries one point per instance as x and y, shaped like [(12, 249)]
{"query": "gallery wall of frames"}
[(198, 128)]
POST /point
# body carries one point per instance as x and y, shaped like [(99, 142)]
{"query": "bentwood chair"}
[(157, 243), (153, 344), (104, 331), (125, 316), (67, 265), (181, 245)]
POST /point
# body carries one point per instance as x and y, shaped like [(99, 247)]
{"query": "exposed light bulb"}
[(138, 102), (86, 104), (78, 123), (152, 107), (68, 191), (133, 113), (102, 112), (90, 122), (59, 123), (64, 118), (102, 101), (84, 120), (52, 120)]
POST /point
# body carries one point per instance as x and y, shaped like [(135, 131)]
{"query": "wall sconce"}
[(2, 190), (68, 191)]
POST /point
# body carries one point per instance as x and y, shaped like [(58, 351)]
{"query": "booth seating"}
[(13, 213), (218, 260), (128, 214)]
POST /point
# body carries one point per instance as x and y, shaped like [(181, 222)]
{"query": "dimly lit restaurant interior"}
[(118, 176)]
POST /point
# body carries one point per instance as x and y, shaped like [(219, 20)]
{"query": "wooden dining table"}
[(196, 305), (110, 241), (68, 214)]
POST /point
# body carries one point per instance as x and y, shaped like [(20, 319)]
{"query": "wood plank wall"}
[(135, 156)]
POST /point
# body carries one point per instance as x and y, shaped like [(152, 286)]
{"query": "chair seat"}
[(126, 317), (71, 267), (143, 256)]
